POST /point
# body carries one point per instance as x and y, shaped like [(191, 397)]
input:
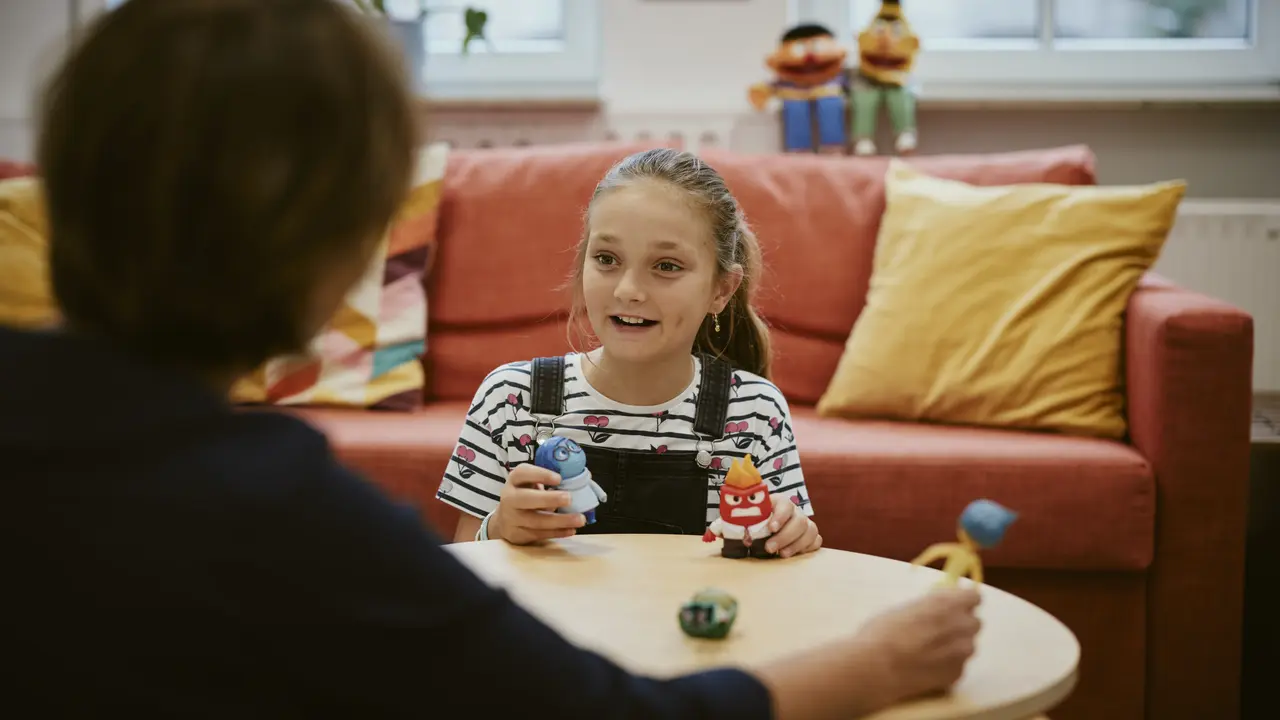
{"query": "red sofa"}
[(1137, 546)]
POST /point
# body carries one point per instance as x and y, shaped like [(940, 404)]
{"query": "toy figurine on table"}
[(709, 614), (887, 50), (981, 526), (809, 80), (745, 510), (565, 457)]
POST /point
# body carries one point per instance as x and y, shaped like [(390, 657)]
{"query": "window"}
[(535, 48), (1082, 49)]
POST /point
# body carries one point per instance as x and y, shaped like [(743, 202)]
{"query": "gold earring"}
[(717, 317)]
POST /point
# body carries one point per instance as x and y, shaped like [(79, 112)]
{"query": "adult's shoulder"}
[(263, 453)]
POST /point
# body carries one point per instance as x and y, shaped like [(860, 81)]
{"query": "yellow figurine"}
[(981, 526)]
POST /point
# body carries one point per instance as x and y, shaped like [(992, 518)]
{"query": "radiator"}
[(1230, 249)]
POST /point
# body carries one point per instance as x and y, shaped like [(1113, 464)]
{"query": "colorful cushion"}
[(26, 299), (369, 355), (1001, 306)]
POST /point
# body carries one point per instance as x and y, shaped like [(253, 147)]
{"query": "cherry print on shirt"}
[(599, 422), (799, 499), (463, 455), (775, 427), (513, 400), (659, 417), (778, 462), (735, 383), (526, 444), (660, 449), (738, 429)]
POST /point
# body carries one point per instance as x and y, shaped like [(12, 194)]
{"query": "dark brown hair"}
[(743, 339), (207, 162)]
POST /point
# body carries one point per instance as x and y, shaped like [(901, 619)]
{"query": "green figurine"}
[(887, 50), (709, 614)]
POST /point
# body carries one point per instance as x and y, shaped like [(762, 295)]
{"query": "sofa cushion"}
[(1001, 306), (13, 169), (404, 453), (817, 218), (892, 489)]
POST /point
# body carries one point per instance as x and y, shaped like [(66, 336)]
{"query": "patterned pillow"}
[(369, 355)]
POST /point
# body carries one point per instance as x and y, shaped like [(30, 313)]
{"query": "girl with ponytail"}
[(674, 391)]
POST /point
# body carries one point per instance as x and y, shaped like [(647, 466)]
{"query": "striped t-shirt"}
[(498, 433)]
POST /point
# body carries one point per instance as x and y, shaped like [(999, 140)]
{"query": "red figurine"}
[(745, 510)]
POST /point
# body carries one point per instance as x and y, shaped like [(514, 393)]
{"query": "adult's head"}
[(218, 173)]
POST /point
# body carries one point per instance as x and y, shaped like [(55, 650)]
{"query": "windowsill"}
[(583, 106), (954, 95), (512, 89)]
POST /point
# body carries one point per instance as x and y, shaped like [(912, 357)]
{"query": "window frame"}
[(1086, 70), (572, 73)]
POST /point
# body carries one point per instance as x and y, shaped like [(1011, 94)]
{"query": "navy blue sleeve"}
[(387, 621)]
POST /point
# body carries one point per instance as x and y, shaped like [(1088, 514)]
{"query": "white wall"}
[(717, 51), (31, 31)]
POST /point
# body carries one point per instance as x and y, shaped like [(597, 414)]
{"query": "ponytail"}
[(743, 340)]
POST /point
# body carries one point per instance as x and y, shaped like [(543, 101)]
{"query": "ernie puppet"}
[(745, 511), (887, 50), (809, 80)]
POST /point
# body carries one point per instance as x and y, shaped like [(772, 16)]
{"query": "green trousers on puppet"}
[(866, 110)]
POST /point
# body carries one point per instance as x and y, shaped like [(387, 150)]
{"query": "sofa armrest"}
[(1189, 373)]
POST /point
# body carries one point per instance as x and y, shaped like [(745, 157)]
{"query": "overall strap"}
[(713, 398), (546, 386)]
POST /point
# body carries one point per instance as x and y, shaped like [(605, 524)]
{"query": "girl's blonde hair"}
[(743, 339)]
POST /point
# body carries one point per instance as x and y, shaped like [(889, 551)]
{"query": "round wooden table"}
[(619, 595)]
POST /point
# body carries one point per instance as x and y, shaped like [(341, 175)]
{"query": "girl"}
[(676, 391)]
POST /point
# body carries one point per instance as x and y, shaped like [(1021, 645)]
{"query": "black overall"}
[(650, 493)]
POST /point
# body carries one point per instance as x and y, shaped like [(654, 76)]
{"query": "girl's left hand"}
[(793, 532)]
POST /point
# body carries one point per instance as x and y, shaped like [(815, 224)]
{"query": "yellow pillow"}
[(26, 299), (1001, 306)]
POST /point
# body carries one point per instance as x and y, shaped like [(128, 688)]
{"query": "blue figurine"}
[(565, 458), (981, 526)]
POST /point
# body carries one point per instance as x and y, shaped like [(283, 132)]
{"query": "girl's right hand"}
[(526, 511)]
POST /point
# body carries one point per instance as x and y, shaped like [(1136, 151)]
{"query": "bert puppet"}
[(809, 79), (887, 50)]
